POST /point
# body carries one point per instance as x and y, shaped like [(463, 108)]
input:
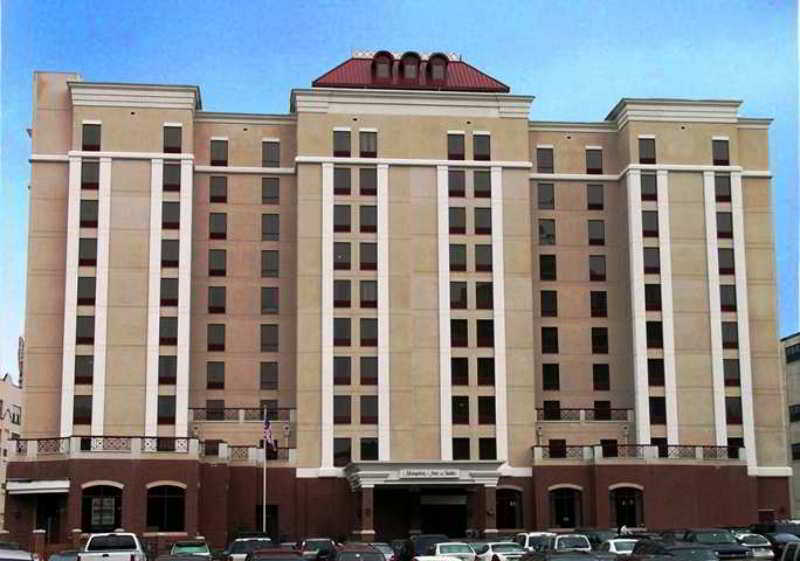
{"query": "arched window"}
[(437, 68), (509, 508), (410, 66), (626, 505), (101, 508), (165, 508), (566, 508), (382, 65)]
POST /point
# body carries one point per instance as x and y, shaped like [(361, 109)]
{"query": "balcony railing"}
[(643, 452), (577, 415)]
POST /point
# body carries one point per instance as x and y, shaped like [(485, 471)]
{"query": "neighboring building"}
[(10, 429), (791, 355), (455, 317)]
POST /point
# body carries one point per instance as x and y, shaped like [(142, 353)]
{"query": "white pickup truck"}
[(118, 546)]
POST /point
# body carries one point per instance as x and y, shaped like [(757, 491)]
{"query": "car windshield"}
[(383, 548), (316, 545), (507, 548), (454, 548), (625, 546), (572, 542), (246, 546), (190, 548), (715, 537), (100, 543), (754, 539), (359, 556), (694, 554), (285, 557)]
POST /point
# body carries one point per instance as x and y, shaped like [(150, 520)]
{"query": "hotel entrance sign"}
[(429, 474)]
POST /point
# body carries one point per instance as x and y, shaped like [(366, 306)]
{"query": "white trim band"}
[(445, 384), (384, 386), (411, 162), (254, 170), (326, 329), (184, 301)]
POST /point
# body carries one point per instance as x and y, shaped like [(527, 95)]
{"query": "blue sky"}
[(577, 57)]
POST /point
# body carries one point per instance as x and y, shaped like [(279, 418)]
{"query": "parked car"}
[(659, 550), (499, 551), (758, 544), (66, 555), (15, 554), (674, 534), (619, 546), (597, 536), (240, 547), (357, 552), (190, 547), (385, 549), (567, 542), (779, 541), (318, 548), (531, 541), (433, 558), (723, 542), (459, 550), (275, 554), (113, 546), (791, 551)]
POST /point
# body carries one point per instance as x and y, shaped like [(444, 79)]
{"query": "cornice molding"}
[(135, 95)]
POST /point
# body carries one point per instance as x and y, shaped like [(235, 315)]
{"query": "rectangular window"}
[(461, 448), (341, 256), (368, 256), (600, 378), (544, 160), (546, 196), (459, 371), (341, 293), (341, 181), (171, 179), (217, 225), (91, 138), (483, 258), (727, 297), (458, 257), (455, 146), (341, 452), (649, 187), (722, 187), (481, 147), (270, 154), (169, 253), (597, 232), (597, 267), (730, 367), (658, 411), (341, 370), (481, 184), (270, 190), (733, 410), (551, 377), (484, 296), (369, 449), (557, 448), (368, 366), (594, 161), (270, 263), (341, 144), (602, 412), (600, 340), (341, 410), (269, 300), (166, 410), (460, 411), (647, 150), (459, 333), (456, 183), (794, 413), (655, 372), (609, 446), (172, 139), (169, 292), (457, 220), (719, 152), (216, 299), (368, 293), (88, 213), (598, 303), (215, 336), (215, 375), (730, 335), (662, 445), (549, 302), (725, 225), (734, 447), (795, 451), (270, 227), (217, 262), (727, 263), (341, 218), (486, 414), (652, 297), (485, 329), (368, 182), (594, 197), (483, 220), (458, 295), (552, 410), (369, 409), (86, 291), (171, 215), (219, 152), (168, 330), (269, 338), (652, 260), (369, 332), (82, 410), (547, 231), (649, 223), (655, 335), (368, 144), (368, 218), (485, 371), (550, 340), (792, 353), (547, 267), (167, 369), (90, 175), (84, 369), (218, 189), (341, 332), (215, 409)]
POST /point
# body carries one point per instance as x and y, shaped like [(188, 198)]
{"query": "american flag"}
[(268, 440)]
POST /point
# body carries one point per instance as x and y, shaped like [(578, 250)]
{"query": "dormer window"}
[(437, 65), (382, 65), (410, 66)]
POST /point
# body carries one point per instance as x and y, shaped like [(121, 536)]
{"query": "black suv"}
[(724, 543), (657, 550)]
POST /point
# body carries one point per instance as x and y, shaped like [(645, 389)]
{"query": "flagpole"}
[(264, 480)]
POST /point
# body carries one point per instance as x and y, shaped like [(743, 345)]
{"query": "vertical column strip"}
[(743, 320), (445, 387), (101, 297), (667, 318), (70, 295), (326, 329), (384, 391), (714, 310), (638, 317), (184, 300), (153, 299), (499, 304)]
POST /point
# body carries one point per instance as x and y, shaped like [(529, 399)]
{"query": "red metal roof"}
[(460, 76)]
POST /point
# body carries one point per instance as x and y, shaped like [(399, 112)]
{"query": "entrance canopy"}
[(38, 487), (369, 474)]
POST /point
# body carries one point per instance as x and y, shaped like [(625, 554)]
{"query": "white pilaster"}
[(499, 304), (326, 372), (70, 295), (667, 318), (384, 389), (445, 393), (743, 321), (184, 300), (101, 297), (153, 299), (714, 310), (638, 316)]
